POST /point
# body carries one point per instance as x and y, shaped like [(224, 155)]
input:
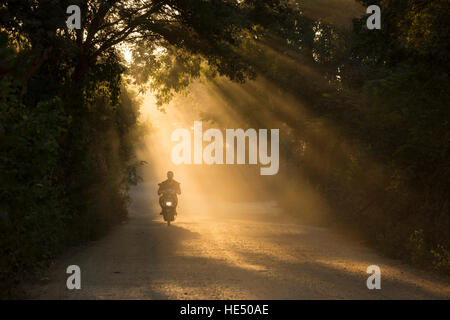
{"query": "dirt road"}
[(256, 257)]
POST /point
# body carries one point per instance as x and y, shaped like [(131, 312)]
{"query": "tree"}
[(63, 98), (210, 29)]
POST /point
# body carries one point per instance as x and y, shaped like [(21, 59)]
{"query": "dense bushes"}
[(33, 211), (404, 124), (369, 128), (65, 161), (79, 168), (385, 167), (366, 123)]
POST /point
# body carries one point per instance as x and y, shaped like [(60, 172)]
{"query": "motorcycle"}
[(169, 206)]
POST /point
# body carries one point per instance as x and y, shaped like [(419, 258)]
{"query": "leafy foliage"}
[(67, 123), (67, 120), (375, 124), (365, 120)]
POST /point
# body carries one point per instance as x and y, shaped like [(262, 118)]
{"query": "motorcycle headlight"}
[(168, 203)]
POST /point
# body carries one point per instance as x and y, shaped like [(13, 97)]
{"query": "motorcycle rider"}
[(170, 183)]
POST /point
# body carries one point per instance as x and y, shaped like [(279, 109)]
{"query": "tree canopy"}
[(69, 122)]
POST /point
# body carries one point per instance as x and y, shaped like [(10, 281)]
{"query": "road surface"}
[(258, 256)]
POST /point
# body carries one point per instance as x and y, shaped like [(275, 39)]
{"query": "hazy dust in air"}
[(207, 190), (233, 190), (211, 191)]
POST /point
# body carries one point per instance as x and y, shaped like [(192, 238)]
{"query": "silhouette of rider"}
[(164, 186)]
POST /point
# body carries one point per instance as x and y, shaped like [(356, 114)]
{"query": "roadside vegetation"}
[(372, 133)]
